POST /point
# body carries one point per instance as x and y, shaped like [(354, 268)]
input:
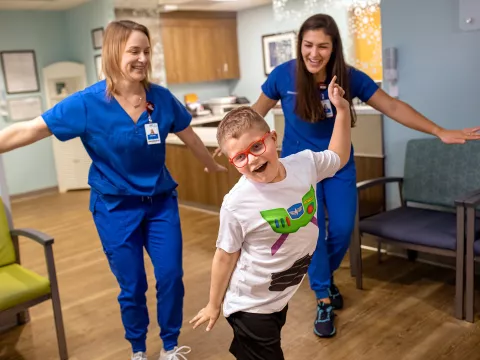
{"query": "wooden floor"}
[(405, 311)]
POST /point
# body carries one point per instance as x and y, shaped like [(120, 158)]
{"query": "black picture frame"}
[(285, 41), (97, 38), (8, 73)]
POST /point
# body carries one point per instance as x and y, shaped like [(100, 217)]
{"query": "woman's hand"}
[(458, 136), (335, 94), (216, 168), (209, 313)]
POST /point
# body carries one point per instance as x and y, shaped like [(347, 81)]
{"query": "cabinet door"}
[(172, 40), (227, 44), (205, 65), (200, 50)]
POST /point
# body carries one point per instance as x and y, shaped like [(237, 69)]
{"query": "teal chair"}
[(21, 288)]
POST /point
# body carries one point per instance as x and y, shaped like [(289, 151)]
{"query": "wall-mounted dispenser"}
[(390, 73)]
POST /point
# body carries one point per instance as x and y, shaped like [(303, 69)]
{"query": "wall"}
[(80, 22), (55, 36), (204, 91), (256, 22), (437, 69), (32, 167)]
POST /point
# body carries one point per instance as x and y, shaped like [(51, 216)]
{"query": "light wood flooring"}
[(404, 313)]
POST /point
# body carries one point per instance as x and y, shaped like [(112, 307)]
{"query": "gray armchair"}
[(438, 178)]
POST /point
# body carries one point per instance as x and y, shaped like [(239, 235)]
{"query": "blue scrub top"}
[(123, 163), (299, 134)]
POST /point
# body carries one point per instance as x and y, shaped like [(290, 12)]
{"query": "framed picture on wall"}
[(277, 49), (98, 67), (97, 38), (21, 109), (19, 71)]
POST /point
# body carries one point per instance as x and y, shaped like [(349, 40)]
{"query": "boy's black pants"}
[(257, 336)]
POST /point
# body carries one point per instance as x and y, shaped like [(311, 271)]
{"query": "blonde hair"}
[(239, 120), (114, 41)]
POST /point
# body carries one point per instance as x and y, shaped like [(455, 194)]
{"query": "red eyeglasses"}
[(256, 148)]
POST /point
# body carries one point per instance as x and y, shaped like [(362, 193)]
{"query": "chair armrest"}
[(362, 185), (471, 200), (35, 235)]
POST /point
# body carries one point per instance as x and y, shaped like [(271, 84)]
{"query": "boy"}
[(268, 229)]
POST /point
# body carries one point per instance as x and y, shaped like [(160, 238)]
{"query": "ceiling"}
[(39, 4), (206, 5)]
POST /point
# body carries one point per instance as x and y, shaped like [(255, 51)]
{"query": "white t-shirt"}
[(275, 227)]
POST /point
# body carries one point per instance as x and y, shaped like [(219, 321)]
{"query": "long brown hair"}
[(114, 41), (308, 105)]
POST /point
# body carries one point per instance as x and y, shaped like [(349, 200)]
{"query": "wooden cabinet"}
[(200, 47)]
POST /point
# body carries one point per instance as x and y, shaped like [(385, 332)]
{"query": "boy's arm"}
[(330, 161), (341, 140), (222, 268), (229, 243)]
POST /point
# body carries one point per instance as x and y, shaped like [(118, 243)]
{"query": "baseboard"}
[(33, 194)]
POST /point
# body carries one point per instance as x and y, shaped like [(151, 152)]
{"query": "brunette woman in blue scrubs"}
[(301, 85), (123, 123)]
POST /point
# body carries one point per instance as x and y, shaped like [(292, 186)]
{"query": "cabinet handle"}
[(225, 67)]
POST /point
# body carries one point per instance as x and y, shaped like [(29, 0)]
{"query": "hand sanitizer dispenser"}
[(390, 70)]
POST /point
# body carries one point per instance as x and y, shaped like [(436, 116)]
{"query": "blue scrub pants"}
[(338, 195), (153, 223)]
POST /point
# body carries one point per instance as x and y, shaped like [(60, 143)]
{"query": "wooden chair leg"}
[(353, 256), (357, 241), (379, 252), (57, 308), (23, 317), (60, 330), (470, 266), (460, 263)]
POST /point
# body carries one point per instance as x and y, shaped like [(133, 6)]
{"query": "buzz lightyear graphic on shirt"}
[(287, 221)]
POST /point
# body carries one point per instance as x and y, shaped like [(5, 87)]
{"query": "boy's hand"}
[(209, 313), (335, 94)]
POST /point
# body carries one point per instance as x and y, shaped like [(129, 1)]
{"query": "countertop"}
[(359, 109), (208, 134)]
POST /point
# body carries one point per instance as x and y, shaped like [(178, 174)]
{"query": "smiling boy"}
[(268, 228)]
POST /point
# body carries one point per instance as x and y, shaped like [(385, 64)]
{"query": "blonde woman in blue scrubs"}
[(123, 122)]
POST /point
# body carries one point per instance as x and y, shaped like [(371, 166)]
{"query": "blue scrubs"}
[(133, 200), (337, 193)]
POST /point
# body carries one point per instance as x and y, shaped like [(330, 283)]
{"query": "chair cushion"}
[(7, 252), (476, 247), (416, 226), (18, 285)]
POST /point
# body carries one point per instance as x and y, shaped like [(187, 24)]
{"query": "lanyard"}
[(150, 107)]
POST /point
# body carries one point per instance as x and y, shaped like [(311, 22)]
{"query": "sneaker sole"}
[(325, 336)]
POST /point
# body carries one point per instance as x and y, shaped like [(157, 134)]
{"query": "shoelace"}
[(179, 353), (323, 314), (139, 356)]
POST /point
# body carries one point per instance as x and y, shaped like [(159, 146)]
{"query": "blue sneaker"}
[(324, 323), (335, 297)]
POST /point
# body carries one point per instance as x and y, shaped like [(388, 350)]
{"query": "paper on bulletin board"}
[(25, 108)]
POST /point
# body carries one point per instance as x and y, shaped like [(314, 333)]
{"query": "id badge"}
[(151, 131), (327, 107)]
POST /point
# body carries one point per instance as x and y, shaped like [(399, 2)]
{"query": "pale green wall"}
[(55, 36)]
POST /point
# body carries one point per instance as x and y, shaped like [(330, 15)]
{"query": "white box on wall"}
[(469, 15)]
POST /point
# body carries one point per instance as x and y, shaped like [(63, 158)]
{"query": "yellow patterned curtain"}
[(366, 28)]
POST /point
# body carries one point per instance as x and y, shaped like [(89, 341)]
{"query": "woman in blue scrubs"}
[(123, 123), (301, 85)]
